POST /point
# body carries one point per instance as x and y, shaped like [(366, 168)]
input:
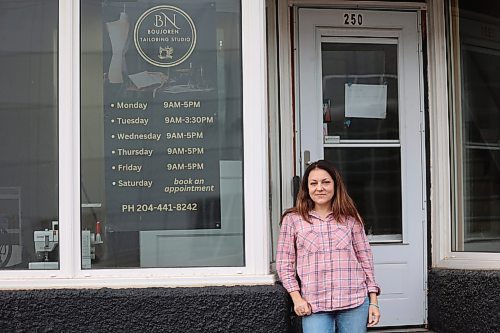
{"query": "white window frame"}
[(440, 161), (256, 188)]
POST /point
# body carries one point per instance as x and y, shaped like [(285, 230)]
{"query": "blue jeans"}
[(343, 321)]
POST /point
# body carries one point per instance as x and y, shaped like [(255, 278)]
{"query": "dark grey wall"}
[(181, 310), (464, 301)]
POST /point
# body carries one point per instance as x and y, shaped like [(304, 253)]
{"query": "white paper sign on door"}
[(365, 101)]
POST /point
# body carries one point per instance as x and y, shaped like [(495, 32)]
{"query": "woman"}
[(322, 242)]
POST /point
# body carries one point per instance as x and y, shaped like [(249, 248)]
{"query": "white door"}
[(360, 106)]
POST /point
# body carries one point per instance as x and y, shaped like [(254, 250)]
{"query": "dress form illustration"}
[(118, 34)]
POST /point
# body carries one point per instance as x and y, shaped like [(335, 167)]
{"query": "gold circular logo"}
[(165, 36)]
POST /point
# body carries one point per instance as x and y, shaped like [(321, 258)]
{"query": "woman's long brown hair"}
[(342, 204)]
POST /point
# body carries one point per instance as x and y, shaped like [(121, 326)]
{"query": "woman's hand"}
[(373, 315), (300, 305), (373, 310)]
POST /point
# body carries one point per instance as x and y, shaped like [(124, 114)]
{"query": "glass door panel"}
[(360, 90), (361, 127), (373, 177)]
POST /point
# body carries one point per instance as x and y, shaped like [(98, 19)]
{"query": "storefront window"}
[(28, 134), (161, 134), (475, 64)]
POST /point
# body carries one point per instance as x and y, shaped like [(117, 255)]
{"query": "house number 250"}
[(353, 19)]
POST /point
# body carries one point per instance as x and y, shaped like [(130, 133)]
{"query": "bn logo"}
[(165, 36)]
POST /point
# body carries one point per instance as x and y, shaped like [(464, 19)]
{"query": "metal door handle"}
[(307, 159)]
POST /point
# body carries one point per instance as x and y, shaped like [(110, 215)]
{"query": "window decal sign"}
[(161, 117)]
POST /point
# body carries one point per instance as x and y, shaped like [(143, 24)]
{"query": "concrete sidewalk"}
[(400, 330)]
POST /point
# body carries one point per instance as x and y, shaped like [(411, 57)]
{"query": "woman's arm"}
[(286, 256), (364, 254), (286, 263)]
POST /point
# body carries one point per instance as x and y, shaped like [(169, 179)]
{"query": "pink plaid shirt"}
[(333, 261)]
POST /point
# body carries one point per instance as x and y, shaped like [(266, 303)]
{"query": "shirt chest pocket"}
[(342, 237), (309, 241)]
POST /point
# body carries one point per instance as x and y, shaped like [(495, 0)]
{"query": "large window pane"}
[(476, 116), (161, 134), (28, 135)]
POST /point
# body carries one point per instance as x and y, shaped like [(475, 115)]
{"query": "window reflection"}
[(28, 132), (477, 136)]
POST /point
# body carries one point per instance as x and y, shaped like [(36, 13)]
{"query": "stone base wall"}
[(464, 301), (238, 309)]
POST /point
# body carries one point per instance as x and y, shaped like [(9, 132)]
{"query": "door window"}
[(361, 128), (351, 71)]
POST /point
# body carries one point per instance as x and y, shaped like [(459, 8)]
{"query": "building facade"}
[(150, 146)]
